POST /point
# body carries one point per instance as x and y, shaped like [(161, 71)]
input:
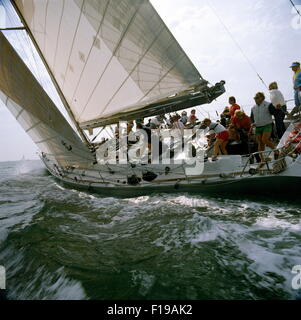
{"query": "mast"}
[(59, 91)]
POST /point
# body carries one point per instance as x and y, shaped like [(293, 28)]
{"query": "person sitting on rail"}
[(222, 137), (261, 117)]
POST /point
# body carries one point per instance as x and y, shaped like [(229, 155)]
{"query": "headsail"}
[(36, 112), (108, 55)]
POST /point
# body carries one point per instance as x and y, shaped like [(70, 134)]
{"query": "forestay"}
[(107, 55)]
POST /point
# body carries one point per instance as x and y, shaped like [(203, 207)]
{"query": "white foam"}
[(144, 280), (272, 222), (49, 286), (264, 262)]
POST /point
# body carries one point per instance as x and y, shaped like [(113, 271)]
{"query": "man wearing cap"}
[(297, 86)]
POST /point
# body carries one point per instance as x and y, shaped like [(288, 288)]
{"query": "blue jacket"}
[(297, 86), (297, 81)]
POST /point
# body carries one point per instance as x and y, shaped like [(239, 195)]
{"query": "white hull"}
[(229, 172)]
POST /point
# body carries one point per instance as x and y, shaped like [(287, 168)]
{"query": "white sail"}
[(35, 111), (107, 55)]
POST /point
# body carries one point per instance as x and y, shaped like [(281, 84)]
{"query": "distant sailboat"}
[(109, 62)]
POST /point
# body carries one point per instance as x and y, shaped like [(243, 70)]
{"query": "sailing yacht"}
[(114, 63)]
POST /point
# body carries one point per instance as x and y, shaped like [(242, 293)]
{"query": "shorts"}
[(264, 129), (223, 135)]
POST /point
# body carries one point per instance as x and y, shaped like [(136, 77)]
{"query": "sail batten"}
[(105, 55)]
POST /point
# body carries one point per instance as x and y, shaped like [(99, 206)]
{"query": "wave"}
[(61, 243)]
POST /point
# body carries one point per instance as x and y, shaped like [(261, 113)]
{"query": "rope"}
[(237, 44)]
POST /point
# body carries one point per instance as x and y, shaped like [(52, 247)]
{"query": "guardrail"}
[(283, 152)]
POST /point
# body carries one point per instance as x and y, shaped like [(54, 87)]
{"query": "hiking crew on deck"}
[(297, 83), (278, 101), (297, 87), (222, 137), (261, 117)]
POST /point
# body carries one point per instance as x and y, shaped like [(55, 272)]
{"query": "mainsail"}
[(107, 56)]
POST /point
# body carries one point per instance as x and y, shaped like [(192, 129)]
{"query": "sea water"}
[(60, 243)]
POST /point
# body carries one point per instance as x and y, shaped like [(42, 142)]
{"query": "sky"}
[(268, 32)]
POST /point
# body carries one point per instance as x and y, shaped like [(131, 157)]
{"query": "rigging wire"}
[(291, 1), (101, 130), (237, 44)]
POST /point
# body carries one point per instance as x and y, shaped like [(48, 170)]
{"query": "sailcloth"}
[(36, 112), (107, 55)]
